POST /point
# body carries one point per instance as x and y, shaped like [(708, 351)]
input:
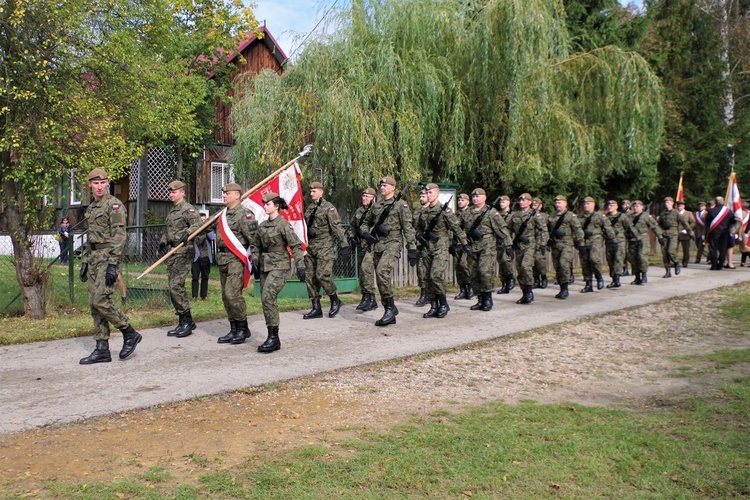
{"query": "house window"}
[(76, 192), (221, 174)]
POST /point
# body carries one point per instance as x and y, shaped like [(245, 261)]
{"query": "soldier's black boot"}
[(504, 289), (668, 274), (469, 292), (272, 343), (615, 282), (480, 301), (572, 278), (563, 293), (173, 331), (130, 341), (372, 304), (644, 278), (599, 281), (528, 295), (537, 283), (625, 271), (186, 326), (511, 283), (100, 354), (443, 306), (422, 300), (315, 312), (487, 304), (242, 333), (676, 268), (543, 282), (363, 303), (433, 309), (229, 336), (589, 287), (637, 280), (461, 294), (389, 316), (335, 305)]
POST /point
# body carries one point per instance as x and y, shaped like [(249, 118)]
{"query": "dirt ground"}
[(629, 359)]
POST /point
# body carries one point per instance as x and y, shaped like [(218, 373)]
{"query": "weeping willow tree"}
[(446, 90)]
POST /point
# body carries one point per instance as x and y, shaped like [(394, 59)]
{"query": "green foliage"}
[(486, 95)]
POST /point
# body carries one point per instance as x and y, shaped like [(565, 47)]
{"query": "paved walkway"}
[(42, 383)]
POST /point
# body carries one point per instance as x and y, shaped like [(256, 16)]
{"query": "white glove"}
[(684, 231)]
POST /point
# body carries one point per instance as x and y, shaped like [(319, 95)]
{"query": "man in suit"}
[(718, 223)]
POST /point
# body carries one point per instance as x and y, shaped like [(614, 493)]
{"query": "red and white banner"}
[(733, 200), (288, 184), (235, 246), (680, 192)]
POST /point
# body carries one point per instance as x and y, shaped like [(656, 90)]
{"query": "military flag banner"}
[(680, 192), (288, 184), (733, 200), (234, 245)]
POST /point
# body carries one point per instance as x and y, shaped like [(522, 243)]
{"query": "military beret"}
[(464, 196), (560, 197), (175, 185), (388, 180), (98, 174), (504, 197), (525, 196), (626, 202), (431, 185), (316, 185), (589, 199), (369, 191), (637, 202), (270, 196), (668, 198), (612, 202), (680, 202), (232, 186), (702, 203), (537, 200), (479, 191)]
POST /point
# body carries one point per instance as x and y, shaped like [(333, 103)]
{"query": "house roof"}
[(268, 39)]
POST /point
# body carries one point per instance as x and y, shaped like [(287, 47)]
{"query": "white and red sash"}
[(720, 217), (235, 246), (699, 220)]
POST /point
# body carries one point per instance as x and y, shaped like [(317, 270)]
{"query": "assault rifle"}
[(378, 230), (428, 233)]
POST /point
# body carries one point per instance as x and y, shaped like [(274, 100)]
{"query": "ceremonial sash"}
[(699, 220), (717, 220), (235, 246)]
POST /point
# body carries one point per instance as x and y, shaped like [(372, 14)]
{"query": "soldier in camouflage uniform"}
[(462, 263), (595, 226), (506, 264), (617, 249), (485, 232), (434, 226), (526, 228), (670, 221), (182, 220), (565, 236), (639, 244), (540, 255), (625, 208), (364, 254), (271, 260), (422, 300), (241, 222), (323, 224), (102, 260), (387, 225)]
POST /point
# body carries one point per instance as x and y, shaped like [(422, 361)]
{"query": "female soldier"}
[(272, 260)]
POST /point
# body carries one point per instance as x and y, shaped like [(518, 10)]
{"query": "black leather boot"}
[(504, 289), (422, 300), (537, 283), (599, 281), (528, 295), (511, 283), (272, 343), (315, 312), (644, 278), (637, 280), (229, 336), (363, 303), (173, 331), (461, 294), (668, 274), (389, 316), (487, 303), (335, 305), (625, 271), (433, 309), (615, 282), (480, 301), (543, 282), (242, 333), (589, 287), (100, 354), (676, 268), (443, 306), (186, 326), (469, 292), (563, 293), (572, 278), (130, 341), (372, 304)]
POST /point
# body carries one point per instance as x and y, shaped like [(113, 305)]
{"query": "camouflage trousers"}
[(421, 269), (231, 275), (366, 271), (103, 308), (506, 264), (592, 260), (638, 255), (540, 264), (669, 249), (319, 270), (271, 284), (482, 268), (384, 262), (463, 274), (562, 260), (436, 266), (685, 245), (525, 266), (616, 257), (178, 266)]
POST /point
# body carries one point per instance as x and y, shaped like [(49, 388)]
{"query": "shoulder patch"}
[(406, 205), (448, 211), (192, 210), (332, 209), (249, 215), (116, 206)]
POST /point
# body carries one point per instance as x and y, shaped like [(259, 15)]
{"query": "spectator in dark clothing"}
[(202, 263)]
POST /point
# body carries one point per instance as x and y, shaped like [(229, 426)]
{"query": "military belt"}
[(273, 249), (99, 246)]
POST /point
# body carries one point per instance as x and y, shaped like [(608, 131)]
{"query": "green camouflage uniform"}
[(506, 263), (463, 263), (231, 269), (525, 243), (594, 226), (421, 251), (387, 251), (182, 218), (436, 256), (617, 249), (494, 234), (364, 254), (540, 254), (104, 246), (639, 249), (669, 222), (270, 247), (563, 241), (321, 249)]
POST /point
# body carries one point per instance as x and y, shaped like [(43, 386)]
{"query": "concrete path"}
[(42, 383)]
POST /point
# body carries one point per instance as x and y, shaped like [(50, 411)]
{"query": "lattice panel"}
[(135, 181), (162, 163)]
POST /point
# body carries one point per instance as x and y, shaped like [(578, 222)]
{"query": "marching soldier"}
[(323, 224), (422, 300), (617, 249), (540, 254), (594, 226), (670, 222), (463, 271), (639, 243), (625, 208), (565, 235), (386, 227), (685, 236), (271, 260), (526, 228), (485, 233), (700, 230), (182, 220), (102, 261), (364, 255), (506, 263)]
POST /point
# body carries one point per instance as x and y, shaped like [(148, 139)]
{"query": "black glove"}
[(111, 275), (301, 274), (345, 253), (412, 255), (370, 238), (662, 241), (184, 238), (466, 248), (255, 269), (162, 247), (510, 252), (84, 272), (452, 250)]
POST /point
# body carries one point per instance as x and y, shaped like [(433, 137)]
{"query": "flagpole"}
[(306, 151)]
